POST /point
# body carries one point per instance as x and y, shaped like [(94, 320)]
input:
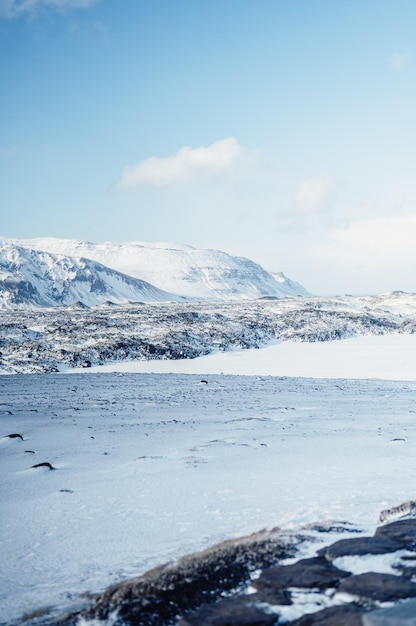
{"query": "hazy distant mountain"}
[(178, 268), (34, 277), (290, 287)]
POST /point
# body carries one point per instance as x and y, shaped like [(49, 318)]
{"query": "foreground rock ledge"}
[(210, 588)]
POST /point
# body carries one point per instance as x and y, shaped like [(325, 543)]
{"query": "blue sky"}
[(280, 130)]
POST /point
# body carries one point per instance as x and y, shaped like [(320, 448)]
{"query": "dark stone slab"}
[(343, 615), (316, 572), (272, 596), (405, 570), (238, 611), (381, 587), (172, 589), (359, 546), (402, 531)]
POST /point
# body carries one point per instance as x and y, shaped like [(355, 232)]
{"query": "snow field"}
[(389, 357), (151, 467)]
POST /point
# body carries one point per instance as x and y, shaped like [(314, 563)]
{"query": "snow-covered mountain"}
[(290, 287), (178, 268), (37, 278)]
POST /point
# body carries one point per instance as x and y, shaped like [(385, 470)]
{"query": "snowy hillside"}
[(178, 268), (290, 287), (31, 277)]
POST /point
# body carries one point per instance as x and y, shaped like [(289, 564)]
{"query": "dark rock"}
[(380, 587), (406, 566), (405, 508), (15, 436), (402, 531), (270, 595), (359, 546), (159, 595), (333, 527), (48, 465), (316, 572), (406, 572), (343, 615), (238, 611)]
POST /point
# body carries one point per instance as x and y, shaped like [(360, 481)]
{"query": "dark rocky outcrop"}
[(158, 596), (359, 546), (217, 587), (239, 611), (344, 615), (317, 573), (403, 531), (380, 587)]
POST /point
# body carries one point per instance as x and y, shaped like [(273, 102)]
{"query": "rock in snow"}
[(190, 592), (76, 336)]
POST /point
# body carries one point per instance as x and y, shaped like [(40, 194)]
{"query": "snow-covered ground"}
[(52, 339), (390, 357), (152, 466)]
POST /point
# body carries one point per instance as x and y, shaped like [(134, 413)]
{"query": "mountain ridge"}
[(38, 278), (177, 269)]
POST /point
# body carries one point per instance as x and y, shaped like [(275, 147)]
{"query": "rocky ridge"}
[(51, 339), (52, 272), (263, 580), (31, 278)]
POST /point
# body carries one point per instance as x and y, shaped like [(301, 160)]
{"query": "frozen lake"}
[(152, 466)]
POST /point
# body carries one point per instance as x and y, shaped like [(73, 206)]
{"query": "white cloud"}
[(15, 8), (313, 194), (398, 60), (185, 165), (376, 243)]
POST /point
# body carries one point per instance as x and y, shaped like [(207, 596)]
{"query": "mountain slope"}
[(178, 268), (37, 278)]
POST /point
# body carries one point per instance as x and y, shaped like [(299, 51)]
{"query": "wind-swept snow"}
[(106, 475), (150, 467), (388, 357)]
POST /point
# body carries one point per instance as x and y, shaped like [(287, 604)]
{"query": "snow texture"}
[(150, 467), (107, 475)]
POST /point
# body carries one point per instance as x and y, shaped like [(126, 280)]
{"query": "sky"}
[(279, 130)]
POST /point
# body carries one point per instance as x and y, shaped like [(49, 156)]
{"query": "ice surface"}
[(153, 466), (390, 357)]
